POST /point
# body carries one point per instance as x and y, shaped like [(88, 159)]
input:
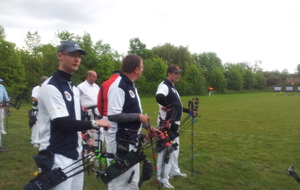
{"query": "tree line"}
[(21, 68)]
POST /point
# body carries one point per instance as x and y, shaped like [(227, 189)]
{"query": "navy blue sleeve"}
[(162, 100), (68, 124)]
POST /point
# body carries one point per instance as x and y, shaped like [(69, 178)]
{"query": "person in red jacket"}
[(102, 95), (102, 102)]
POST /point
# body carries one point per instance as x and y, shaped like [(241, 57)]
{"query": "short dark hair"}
[(43, 79), (130, 62), (116, 72)]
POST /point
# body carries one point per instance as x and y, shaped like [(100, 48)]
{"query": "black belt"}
[(92, 107)]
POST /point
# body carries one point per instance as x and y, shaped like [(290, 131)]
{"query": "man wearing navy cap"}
[(170, 107), (59, 116)]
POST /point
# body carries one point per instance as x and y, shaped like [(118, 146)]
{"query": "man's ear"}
[(59, 55), (136, 70)]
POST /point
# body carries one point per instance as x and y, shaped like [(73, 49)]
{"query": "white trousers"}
[(35, 133), (73, 183), (121, 182), (111, 146), (171, 168)]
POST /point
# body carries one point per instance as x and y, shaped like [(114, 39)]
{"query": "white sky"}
[(236, 30)]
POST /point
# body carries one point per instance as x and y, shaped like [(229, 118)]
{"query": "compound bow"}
[(49, 177), (189, 122)]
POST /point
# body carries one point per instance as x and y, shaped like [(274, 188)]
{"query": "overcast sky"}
[(236, 30)]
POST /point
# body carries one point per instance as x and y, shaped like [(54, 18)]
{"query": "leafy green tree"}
[(35, 60), (234, 76), (273, 77), (248, 75), (284, 74), (298, 69), (172, 55), (32, 68), (154, 69), (183, 58), (166, 52), (65, 36), (195, 80), (103, 49), (249, 80), (196, 59), (118, 65), (12, 70), (48, 59), (154, 72), (183, 87), (145, 87), (260, 80), (106, 50), (139, 48), (2, 32), (99, 57), (200, 70), (257, 67), (33, 41), (38, 62), (31, 57), (105, 66), (208, 60), (90, 60), (216, 79)]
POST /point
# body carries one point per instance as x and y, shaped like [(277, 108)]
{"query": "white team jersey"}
[(35, 93), (51, 105), (88, 95)]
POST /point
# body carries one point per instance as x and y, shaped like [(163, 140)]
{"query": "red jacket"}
[(102, 100)]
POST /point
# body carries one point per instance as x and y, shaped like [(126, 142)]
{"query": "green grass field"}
[(241, 141)]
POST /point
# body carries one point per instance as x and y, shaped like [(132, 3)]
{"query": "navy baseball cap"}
[(173, 69), (70, 46)]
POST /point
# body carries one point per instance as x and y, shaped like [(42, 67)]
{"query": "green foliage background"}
[(21, 68)]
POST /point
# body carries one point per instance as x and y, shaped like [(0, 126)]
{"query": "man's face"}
[(140, 69), (173, 77), (69, 62), (92, 78)]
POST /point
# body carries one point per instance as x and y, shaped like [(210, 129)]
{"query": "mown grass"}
[(242, 141)]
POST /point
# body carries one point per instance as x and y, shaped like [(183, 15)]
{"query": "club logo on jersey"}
[(173, 90), (131, 93), (68, 96)]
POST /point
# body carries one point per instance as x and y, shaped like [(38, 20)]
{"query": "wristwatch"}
[(94, 123)]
